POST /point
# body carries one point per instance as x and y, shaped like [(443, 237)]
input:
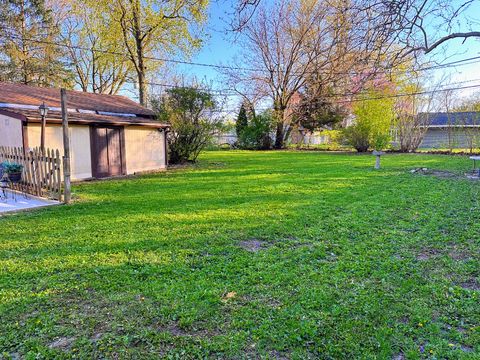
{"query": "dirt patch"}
[(176, 330), (466, 348), (253, 245), (261, 300), (471, 284), (277, 355), (435, 173), (62, 343), (274, 303), (96, 337), (399, 356), (459, 254), (427, 253), (444, 174)]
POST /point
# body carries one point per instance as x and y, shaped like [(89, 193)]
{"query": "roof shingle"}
[(55, 117), (32, 95), (453, 119)]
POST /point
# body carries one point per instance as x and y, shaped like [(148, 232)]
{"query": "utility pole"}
[(66, 148)]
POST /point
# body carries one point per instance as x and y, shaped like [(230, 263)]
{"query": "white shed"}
[(110, 135)]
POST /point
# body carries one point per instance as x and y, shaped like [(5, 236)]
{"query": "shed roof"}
[(55, 117), (22, 102), (453, 119), (21, 94)]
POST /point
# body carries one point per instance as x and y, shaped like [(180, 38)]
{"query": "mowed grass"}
[(251, 255)]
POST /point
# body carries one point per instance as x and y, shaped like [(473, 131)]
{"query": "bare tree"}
[(420, 25), (326, 50), (416, 25), (469, 118), (413, 112), (470, 122), (283, 43), (243, 12)]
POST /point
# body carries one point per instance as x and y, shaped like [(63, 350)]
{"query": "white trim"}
[(116, 114)]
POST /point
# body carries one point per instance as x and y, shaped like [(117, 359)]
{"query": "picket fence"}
[(41, 170)]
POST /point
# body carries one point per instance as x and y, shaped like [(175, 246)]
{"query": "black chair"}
[(4, 183), (7, 183)]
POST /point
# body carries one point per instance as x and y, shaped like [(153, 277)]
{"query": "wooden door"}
[(108, 156)]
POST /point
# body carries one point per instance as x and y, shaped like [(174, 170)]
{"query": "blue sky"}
[(220, 49)]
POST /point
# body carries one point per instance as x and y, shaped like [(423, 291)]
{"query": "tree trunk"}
[(142, 87), (25, 76), (279, 132), (139, 47), (279, 136)]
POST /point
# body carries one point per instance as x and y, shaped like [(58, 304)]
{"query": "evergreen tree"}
[(242, 121), (28, 53)]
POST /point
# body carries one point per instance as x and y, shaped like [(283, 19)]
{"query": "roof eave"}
[(100, 123), (113, 122)]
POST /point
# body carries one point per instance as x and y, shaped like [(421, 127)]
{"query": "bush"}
[(256, 135), (191, 115), (373, 120), (334, 138), (357, 137)]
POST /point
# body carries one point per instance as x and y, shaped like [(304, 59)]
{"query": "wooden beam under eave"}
[(25, 137)]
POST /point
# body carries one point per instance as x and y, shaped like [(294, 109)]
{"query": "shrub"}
[(334, 138), (373, 120), (357, 137), (11, 167), (191, 115), (256, 135)]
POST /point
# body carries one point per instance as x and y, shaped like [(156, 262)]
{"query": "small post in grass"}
[(66, 148), (377, 155)]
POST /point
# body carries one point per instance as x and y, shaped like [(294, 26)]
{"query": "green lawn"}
[(251, 255)]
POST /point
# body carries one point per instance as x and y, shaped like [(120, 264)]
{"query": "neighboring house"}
[(109, 134), (455, 130)]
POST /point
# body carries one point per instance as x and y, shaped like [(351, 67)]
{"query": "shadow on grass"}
[(142, 258)]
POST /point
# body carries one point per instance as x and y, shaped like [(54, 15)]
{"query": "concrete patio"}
[(21, 204)]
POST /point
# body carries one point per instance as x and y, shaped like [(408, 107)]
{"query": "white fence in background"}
[(231, 139)]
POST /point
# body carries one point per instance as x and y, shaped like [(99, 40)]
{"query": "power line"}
[(232, 92), (460, 62), (389, 96), (414, 93), (224, 92)]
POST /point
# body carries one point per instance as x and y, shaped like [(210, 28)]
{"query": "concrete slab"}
[(31, 202)]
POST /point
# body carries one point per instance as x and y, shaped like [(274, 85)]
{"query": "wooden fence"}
[(41, 170)]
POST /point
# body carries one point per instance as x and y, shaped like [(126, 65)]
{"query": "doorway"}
[(108, 151)]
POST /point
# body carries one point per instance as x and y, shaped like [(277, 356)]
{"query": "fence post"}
[(66, 148)]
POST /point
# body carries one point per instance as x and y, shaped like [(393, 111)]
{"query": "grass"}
[(251, 255)]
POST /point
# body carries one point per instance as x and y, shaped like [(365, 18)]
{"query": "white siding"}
[(10, 131), (80, 154), (144, 149), (440, 138)]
